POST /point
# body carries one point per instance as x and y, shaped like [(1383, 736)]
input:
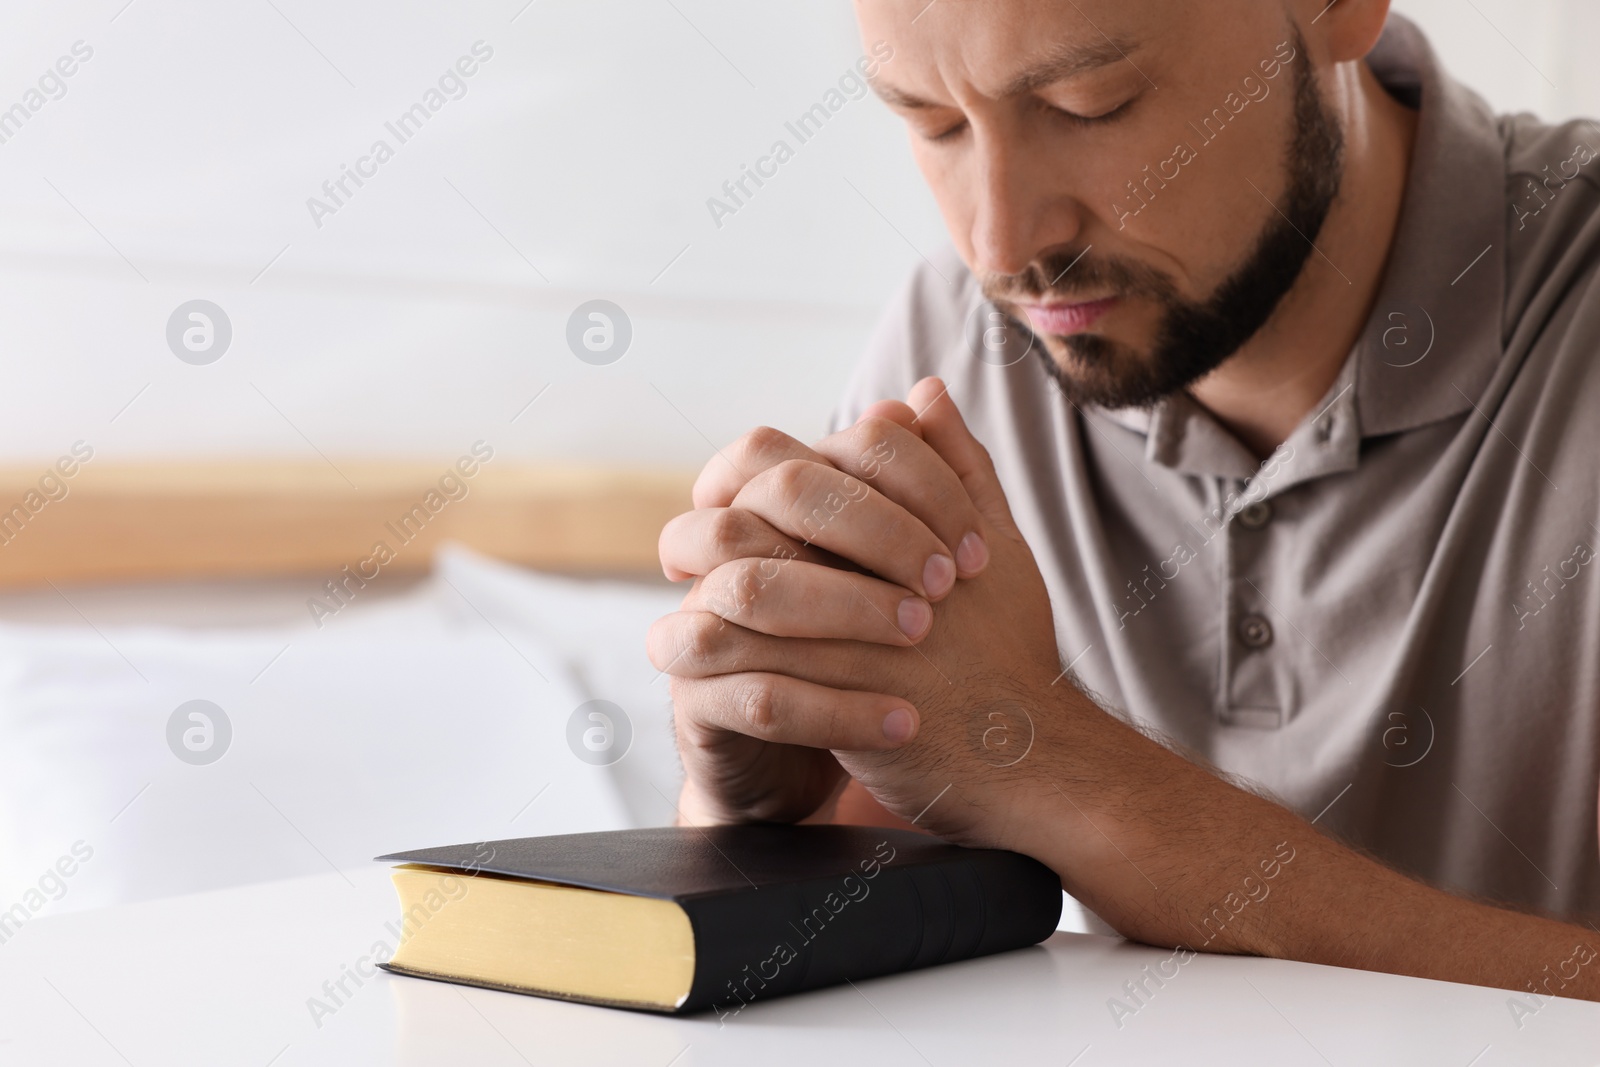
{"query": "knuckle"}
[(764, 440), (874, 431), (985, 458), (736, 589), (874, 438), (790, 480), (808, 497), (755, 705), (726, 533), (703, 638)]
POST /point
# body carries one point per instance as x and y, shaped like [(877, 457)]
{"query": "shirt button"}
[(1255, 631), (1254, 516)]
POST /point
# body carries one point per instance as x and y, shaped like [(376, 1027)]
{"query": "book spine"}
[(755, 944)]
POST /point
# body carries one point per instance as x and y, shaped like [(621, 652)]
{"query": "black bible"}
[(684, 919)]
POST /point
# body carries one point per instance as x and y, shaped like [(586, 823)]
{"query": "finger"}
[(732, 468), (765, 447), (697, 542), (786, 711), (809, 501), (792, 598), (701, 644), (946, 432), (896, 411), (907, 470)]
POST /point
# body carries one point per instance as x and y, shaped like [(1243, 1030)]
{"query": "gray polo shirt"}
[(1393, 624)]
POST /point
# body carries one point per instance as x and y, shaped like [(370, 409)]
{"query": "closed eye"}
[(1072, 118), (949, 134), (1075, 119)]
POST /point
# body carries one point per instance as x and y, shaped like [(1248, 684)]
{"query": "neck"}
[(1264, 390)]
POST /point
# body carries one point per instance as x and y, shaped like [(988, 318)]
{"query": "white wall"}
[(1522, 55), (180, 159)]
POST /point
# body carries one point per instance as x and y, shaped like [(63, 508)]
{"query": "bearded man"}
[(1275, 561)]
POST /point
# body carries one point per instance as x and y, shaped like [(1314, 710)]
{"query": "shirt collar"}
[(1434, 336), (1445, 286)]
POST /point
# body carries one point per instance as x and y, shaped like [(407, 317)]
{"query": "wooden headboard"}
[(173, 520)]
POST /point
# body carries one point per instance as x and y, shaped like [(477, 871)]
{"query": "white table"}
[(225, 977)]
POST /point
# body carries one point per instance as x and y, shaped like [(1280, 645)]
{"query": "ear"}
[(1348, 28)]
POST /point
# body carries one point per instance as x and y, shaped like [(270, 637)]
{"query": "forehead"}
[(1000, 47)]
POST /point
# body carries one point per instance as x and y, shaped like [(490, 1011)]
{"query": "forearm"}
[(1170, 854)]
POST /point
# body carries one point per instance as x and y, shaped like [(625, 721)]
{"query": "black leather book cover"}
[(779, 909)]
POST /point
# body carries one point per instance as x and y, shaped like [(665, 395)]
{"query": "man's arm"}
[(1003, 754), (1172, 855)]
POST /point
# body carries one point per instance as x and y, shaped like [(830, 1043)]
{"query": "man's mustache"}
[(1075, 274)]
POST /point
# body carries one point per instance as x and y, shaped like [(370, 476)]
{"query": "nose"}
[(1018, 212)]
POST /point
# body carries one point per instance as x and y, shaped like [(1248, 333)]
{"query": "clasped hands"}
[(865, 616), (861, 609)]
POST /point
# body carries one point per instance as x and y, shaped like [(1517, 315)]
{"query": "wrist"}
[(1160, 847), (1064, 796)]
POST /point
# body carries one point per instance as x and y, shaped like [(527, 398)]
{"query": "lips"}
[(1065, 319)]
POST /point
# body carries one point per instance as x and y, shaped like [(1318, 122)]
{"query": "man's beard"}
[(1192, 338)]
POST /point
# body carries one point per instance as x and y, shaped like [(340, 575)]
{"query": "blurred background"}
[(433, 304), (399, 322)]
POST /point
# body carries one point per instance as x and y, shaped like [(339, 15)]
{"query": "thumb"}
[(946, 433)]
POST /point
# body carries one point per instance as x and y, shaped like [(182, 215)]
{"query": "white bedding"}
[(417, 719)]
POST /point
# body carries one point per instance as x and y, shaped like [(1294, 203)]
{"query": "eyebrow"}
[(1061, 63)]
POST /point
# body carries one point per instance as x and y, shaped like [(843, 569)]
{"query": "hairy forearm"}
[(1170, 854)]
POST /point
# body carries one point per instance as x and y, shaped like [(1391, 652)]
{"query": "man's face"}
[(1140, 182)]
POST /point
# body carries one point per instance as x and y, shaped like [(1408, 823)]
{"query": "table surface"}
[(229, 978)]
